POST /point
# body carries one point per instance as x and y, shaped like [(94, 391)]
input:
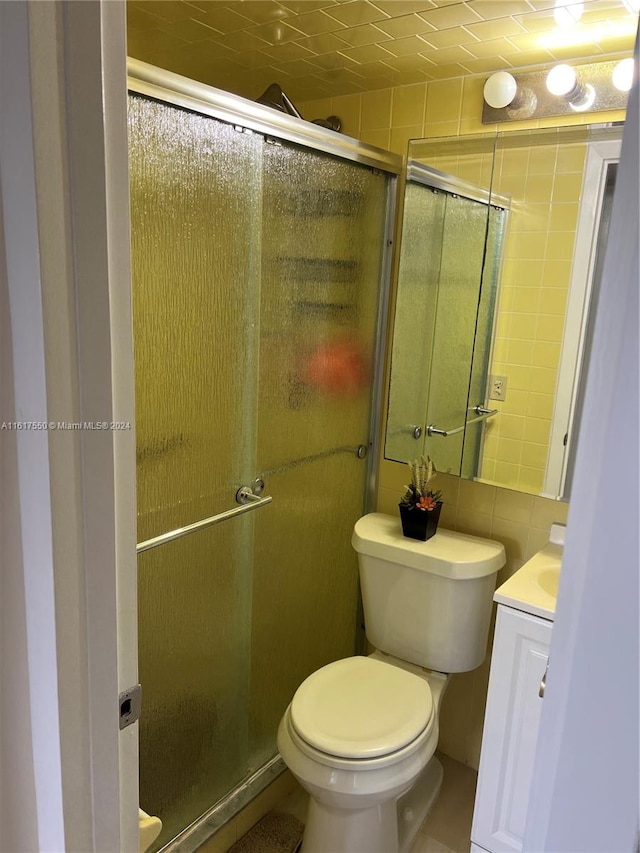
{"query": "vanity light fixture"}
[(561, 90)]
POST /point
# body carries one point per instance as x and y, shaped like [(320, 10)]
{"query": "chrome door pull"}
[(543, 682), (244, 496), (433, 430)]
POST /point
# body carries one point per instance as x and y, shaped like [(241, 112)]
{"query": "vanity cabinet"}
[(518, 664)]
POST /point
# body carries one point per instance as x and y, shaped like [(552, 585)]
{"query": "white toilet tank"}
[(428, 603)]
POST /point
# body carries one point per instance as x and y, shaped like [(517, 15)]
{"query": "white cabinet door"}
[(518, 663)]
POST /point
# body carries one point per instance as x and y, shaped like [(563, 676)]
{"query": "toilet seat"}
[(360, 708)]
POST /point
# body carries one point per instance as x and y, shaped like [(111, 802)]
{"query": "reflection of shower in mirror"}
[(444, 318), (502, 240)]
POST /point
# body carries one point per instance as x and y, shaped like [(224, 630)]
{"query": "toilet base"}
[(329, 830), (389, 827), (414, 806)]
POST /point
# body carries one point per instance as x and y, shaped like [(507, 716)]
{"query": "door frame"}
[(64, 266), (600, 154)]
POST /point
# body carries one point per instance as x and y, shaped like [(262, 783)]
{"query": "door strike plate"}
[(130, 705)]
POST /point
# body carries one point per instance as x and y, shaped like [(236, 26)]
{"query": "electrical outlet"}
[(498, 388)]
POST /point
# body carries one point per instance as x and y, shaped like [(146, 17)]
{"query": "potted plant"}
[(420, 506)]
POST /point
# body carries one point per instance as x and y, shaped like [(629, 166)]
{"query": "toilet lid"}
[(361, 708)]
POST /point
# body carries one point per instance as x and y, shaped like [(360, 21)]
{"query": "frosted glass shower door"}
[(323, 244), (416, 308), (439, 286), (196, 204), (465, 226), (478, 389)]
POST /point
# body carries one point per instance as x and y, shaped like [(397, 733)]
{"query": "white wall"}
[(18, 830), (30, 559), (69, 776), (585, 788)]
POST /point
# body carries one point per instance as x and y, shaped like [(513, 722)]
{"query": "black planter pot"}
[(419, 523)]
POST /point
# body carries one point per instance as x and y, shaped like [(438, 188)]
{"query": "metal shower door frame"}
[(164, 86)]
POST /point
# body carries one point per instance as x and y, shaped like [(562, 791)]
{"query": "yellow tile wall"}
[(545, 184), (521, 522), (389, 118)]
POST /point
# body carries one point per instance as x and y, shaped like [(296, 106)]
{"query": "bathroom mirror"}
[(501, 247)]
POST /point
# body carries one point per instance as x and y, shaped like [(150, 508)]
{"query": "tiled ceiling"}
[(322, 48)]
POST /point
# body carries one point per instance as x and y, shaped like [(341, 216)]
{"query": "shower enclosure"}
[(259, 248)]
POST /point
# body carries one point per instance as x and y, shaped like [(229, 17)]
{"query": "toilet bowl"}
[(357, 735), (360, 733)]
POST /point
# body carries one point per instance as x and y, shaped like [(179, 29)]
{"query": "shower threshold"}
[(201, 830)]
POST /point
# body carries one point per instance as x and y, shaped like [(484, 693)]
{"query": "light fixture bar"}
[(594, 91)]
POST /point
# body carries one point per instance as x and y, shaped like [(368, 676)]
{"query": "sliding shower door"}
[(196, 232), (437, 308), (478, 390), (322, 252), (257, 267), (416, 311), (459, 284)]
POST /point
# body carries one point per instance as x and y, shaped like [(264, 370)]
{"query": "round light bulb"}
[(622, 76), (500, 89), (561, 80)]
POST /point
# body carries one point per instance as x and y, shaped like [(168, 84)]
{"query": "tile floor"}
[(448, 827)]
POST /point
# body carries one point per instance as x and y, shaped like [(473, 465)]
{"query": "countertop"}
[(534, 587)]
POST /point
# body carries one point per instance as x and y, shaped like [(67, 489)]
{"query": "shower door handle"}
[(432, 429), (481, 412), (245, 496)]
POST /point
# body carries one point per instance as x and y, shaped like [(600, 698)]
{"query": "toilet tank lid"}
[(449, 554)]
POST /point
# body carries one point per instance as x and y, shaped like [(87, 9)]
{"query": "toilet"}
[(360, 733)]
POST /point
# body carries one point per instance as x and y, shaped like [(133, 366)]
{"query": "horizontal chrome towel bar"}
[(244, 496), (480, 410), (483, 414), (432, 429), (360, 451)]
